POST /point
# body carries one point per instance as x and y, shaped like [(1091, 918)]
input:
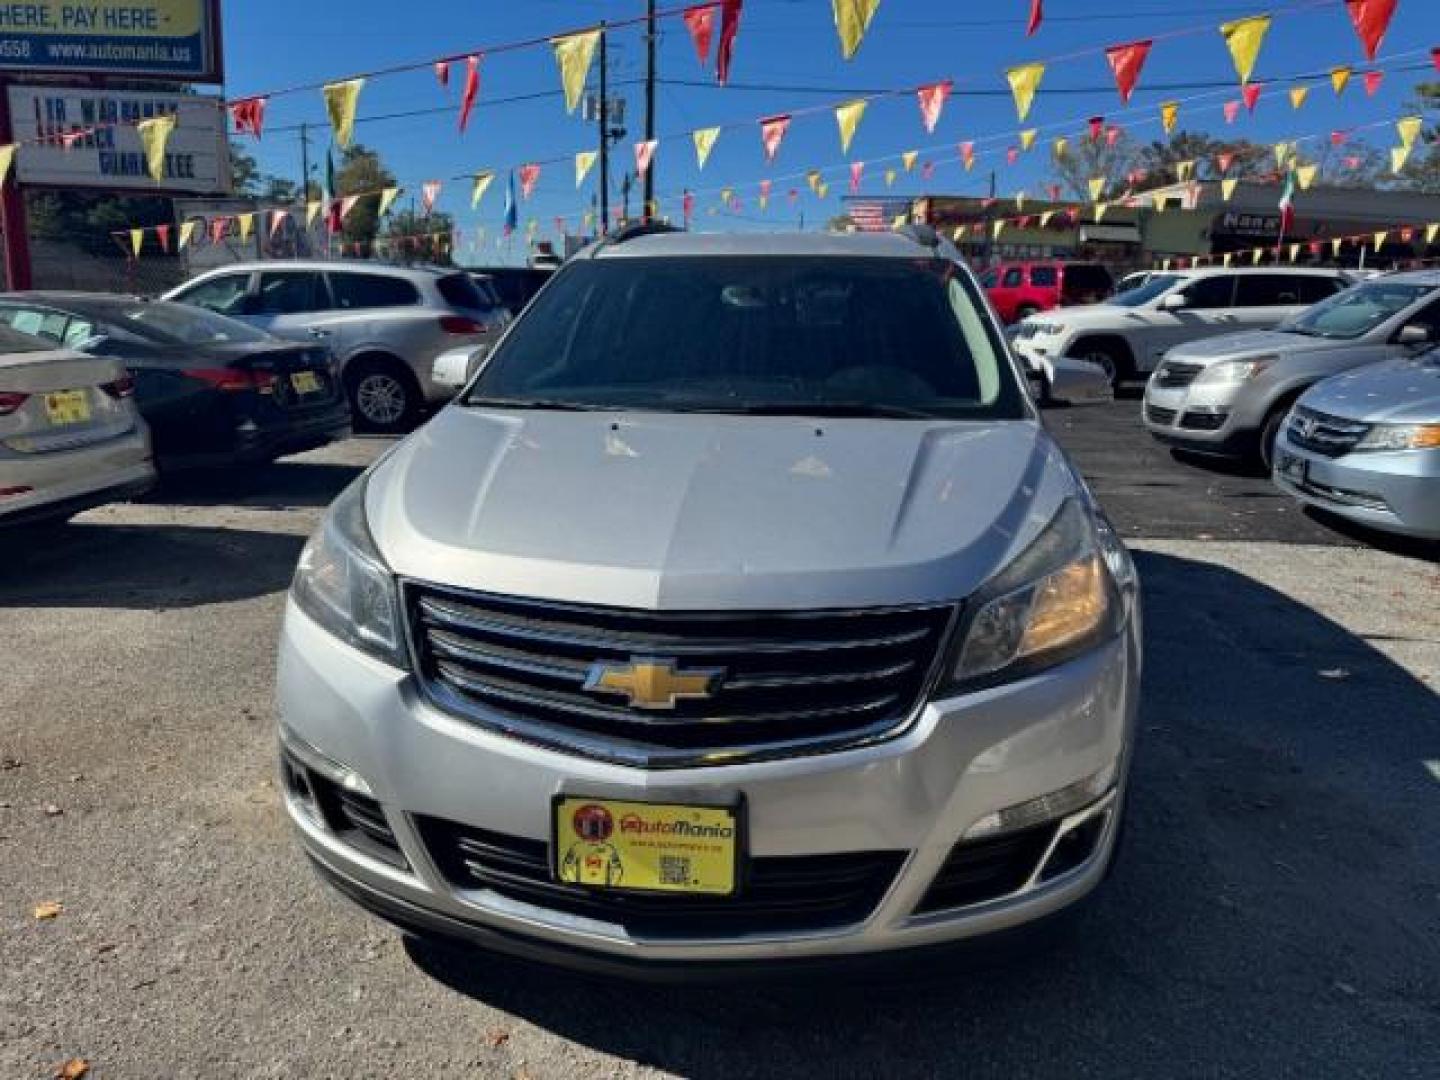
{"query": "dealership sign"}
[(81, 138), (175, 39)]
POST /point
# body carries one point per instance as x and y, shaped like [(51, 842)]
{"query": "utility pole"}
[(604, 134), (304, 162), (649, 104)]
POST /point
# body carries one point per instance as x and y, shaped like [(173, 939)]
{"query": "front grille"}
[(981, 870), (1203, 421), (801, 893), (1328, 436), (1026, 331), (1176, 376), (357, 819), (781, 683), (1163, 417)]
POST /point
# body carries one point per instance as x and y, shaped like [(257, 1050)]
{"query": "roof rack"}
[(634, 230), (923, 234)]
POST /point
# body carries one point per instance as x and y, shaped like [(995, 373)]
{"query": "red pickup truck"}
[(1020, 289)]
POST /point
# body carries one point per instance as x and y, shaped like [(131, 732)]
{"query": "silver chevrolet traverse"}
[(741, 609)]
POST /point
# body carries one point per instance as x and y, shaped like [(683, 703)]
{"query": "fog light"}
[(1057, 804)]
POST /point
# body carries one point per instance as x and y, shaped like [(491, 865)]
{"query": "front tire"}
[(1110, 360), (1269, 434), (384, 397)]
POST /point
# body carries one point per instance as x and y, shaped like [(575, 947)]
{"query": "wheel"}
[(1269, 434), (1109, 360), (383, 396)]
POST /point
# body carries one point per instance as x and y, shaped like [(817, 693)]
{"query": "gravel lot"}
[(1276, 911)]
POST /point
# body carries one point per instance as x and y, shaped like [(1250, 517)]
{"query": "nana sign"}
[(170, 39)]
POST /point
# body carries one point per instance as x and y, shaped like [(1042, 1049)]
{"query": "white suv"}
[(1128, 336)]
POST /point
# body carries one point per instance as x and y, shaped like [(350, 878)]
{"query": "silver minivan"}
[(385, 324), (741, 609), (1230, 395)]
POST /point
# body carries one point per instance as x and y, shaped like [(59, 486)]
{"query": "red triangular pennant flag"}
[(163, 232), (644, 154), (729, 27), (772, 131), (1012, 155), (1435, 58), (277, 218), (217, 229), (1371, 19), (1055, 192), (1373, 79), (429, 194), (932, 101), (529, 174), (1338, 138), (1251, 93), (1352, 161), (1224, 161), (1112, 135), (1037, 16), (442, 73), (249, 116), (471, 92), (700, 21), (1127, 61), (1232, 110), (856, 169), (1097, 128), (927, 170), (687, 207), (793, 196)]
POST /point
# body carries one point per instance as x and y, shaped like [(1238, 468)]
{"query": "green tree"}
[(1161, 160), (1422, 173), (360, 171), (90, 220), (415, 237), (1087, 159), (244, 172)]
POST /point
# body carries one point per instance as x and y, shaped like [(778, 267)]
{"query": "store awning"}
[(1110, 234)]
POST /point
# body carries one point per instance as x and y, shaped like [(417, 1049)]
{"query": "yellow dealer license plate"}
[(646, 847), (67, 407), (305, 382)]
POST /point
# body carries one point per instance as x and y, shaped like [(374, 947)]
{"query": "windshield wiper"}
[(859, 409), (538, 404), (1301, 330)]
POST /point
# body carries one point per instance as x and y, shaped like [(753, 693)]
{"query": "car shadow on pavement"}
[(1273, 911), (280, 486), (150, 567)]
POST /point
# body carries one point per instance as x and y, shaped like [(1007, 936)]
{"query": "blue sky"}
[(788, 48)]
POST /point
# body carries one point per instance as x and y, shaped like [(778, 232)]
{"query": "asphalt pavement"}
[(1276, 910)]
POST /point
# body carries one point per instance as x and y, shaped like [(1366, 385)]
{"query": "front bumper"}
[(915, 796), (1393, 492), (1207, 419)]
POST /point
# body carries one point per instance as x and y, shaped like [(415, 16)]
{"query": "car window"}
[(1268, 290), (1082, 278), (225, 294), (175, 324), (1427, 318), (1011, 279), (1157, 286), (356, 291), (49, 326), (780, 334), (1315, 289), (1216, 291), (291, 292), (989, 278), (77, 332), (1356, 311), (459, 290), (1044, 277), (16, 341)]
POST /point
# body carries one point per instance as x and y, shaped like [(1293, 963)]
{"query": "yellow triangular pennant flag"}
[(247, 224), (823, 190), (584, 160), (137, 241), (1380, 240), (726, 194), (1340, 78), (1298, 94), (1431, 232), (1027, 138), (154, 137), (1294, 252), (1256, 255), (1409, 129), (1100, 211), (908, 159), (813, 176), (1335, 246), (573, 53), (1244, 37), (187, 233), (852, 19), (341, 101), (1283, 153), (7, 161), (1169, 116), (1165, 265), (958, 234), (1019, 200), (1062, 147), (889, 177), (1185, 171), (997, 228), (1227, 258), (1227, 188), (1398, 156), (1305, 176), (1024, 81), (387, 200), (704, 143), (1046, 218), (477, 192), (1097, 188), (848, 116)]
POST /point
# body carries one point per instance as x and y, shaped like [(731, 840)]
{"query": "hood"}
[(1249, 343), (1091, 316), (1392, 392), (713, 512)]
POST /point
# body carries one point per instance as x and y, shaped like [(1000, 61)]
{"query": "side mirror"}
[(1414, 334), (456, 367), (1078, 382), (1174, 301)]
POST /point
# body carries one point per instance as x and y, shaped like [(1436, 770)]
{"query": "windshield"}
[(1356, 311), (1156, 286), (180, 324), (786, 335)]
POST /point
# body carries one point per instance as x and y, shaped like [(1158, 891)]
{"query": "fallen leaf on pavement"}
[(1334, 673), (49, 910), (73, 1069), (52, 810), (496, 1037)]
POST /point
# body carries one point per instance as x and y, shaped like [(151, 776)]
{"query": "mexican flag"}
[(1287, 204)]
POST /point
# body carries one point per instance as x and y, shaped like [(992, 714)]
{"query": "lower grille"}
[(1156, 415), (356, 819), (981, 870), (1203, 421), (1177, 376), (757, 685), (810, 892), (1328, 436)]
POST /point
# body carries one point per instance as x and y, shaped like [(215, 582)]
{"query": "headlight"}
[(1401, 437), (1235, 371), (1056, 600), (343, 584)]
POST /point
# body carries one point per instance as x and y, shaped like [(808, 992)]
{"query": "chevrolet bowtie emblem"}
[(653, 684)]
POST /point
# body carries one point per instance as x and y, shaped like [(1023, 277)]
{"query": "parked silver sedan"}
[(1366, 446)]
